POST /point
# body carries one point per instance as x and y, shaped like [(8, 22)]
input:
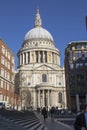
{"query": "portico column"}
[(38, 98), (48, 99), (43, 98)]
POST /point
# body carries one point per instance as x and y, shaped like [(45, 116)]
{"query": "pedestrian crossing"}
[(26, 119)]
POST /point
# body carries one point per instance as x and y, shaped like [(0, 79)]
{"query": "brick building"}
[(7, 91)]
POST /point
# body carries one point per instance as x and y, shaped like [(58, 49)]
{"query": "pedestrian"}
[(81, 120), (52, 111), (38, 110), (44, 113)]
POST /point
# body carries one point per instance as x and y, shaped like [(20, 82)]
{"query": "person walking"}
[(52, 112), (81, 120), (44, 113)]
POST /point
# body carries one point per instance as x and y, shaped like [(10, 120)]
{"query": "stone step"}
[(26, 120), (29, 125)]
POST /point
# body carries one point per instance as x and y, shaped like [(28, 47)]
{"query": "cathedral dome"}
[(38, 32)]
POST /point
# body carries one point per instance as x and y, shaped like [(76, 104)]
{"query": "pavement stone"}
[(53, 124)]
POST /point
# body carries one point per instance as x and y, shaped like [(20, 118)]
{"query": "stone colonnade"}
[(44, 98), (39, 57)]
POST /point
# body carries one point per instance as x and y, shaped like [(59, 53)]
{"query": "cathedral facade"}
[(40, 78)]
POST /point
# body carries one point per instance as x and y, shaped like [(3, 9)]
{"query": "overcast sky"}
[(64, 19)]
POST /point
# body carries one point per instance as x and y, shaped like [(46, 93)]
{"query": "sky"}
[(64, 19)]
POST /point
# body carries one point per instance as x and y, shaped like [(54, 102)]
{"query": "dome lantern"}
[(38, 32), (38, 21)]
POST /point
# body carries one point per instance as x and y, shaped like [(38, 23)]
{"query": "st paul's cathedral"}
[(40, 77)]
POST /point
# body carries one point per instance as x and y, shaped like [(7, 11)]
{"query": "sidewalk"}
[(53, 125)]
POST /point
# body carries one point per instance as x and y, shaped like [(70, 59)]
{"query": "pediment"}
[(44, 67)]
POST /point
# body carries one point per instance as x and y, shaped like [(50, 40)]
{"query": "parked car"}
[(2, 105)]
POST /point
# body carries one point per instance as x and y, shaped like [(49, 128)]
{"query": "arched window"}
[(60, 97), (44, 78)]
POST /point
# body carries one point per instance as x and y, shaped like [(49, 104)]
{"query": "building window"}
[(5, 74), (52, 57), (2, 71), (1, 97), (85, 53), (59, 83), (41, 56), (44, 78), (78, 54), (3, 49), (7, 86), (24, 58), (78, 46), (71, 66), (8, 76), (36, 56), (5, 62), (8, 65), (2, 83), (8, 55), (45, 55), (12, 78), (29, 83), (2, 60), (7, 99)]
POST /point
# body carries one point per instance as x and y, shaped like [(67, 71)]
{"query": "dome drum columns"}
[(38, 57)]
